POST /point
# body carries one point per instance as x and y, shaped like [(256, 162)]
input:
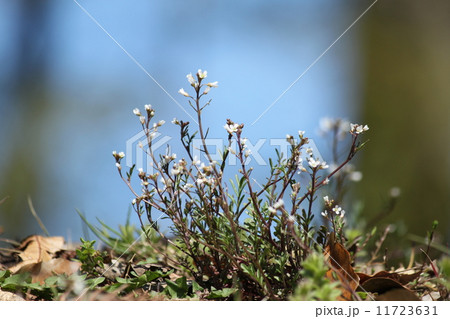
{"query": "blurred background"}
[(67, 91)]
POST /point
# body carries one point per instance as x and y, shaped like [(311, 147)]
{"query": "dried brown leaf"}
[(388, 289), (341, 265)]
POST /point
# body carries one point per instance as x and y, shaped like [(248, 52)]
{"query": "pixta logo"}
[(138, 151)]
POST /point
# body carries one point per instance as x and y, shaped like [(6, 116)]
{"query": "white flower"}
[(137, 112), (202, 74), (133, 201), (356, 176), (247, 153), (291, 219), (326, 199), (161, 123), (231, 128), (300, 168), (191, 80), (312, 162), (183, 92), (206, 90), (175, 121), (140, 170), (195, 161), (326, 124), (142, 119), (213, 84), (301, 134), (324, 214), (278, 204), (118, 166), (175, 171), (186, 187), (395, 192), (358, 129), (315, 163), (272, 210), (148, 107), (114, 153), (165, 159), (121, 154), (326, 181), (338, 210)]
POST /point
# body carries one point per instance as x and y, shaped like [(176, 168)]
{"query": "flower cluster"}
[(356, 129), (316, 163), (205, 173), (232, 127), (278, 205), (179, 168), (332, 210), (196, 83), (118, 157)]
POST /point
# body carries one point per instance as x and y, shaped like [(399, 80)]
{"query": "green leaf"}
[(149, 260), (177, 289), (152, 275), (248, 269), (4, 274), (94, 282), (222, 293), (16, 282), (363, 295), (196, 287), (52, 281)]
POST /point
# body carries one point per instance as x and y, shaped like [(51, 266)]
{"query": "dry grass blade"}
[(35, 215)]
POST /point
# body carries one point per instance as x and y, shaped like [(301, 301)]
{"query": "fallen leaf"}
[(401, 278), (388, 290), (36, 248), (340, 261), (40, 259)]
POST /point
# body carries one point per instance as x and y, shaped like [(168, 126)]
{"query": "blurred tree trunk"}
[(406, 48), (27, 102)]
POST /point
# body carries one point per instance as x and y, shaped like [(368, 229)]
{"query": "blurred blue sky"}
[(255, 49)]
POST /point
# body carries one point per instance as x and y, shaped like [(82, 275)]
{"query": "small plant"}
[(315, 285), (254, 241), (91, 259)]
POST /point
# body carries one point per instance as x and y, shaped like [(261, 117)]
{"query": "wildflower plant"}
[(235, 236)]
